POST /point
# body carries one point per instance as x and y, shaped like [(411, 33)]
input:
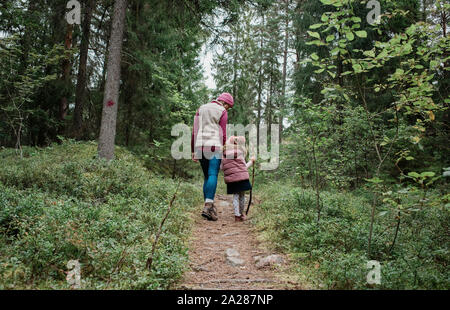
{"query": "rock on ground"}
[(270, 260), (235, 261), (232, 252), (233, 257)]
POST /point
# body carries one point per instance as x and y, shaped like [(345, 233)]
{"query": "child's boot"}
[(243, 217)]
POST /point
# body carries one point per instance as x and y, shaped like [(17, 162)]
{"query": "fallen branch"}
[(158, 234), (118, 265)]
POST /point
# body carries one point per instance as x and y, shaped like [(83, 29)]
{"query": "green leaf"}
[(399, 71), (361, 34), (330, 38), (315, 26), (315, 42), (427, 174), (370, 53), (350, 36), (314, 56), (374, 180), (358, 68), (382, 213), (433, 64), (414, 175), (314, 34), (411, 29)]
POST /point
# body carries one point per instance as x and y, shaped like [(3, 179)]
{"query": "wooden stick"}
[(251, 192), (158, 234)]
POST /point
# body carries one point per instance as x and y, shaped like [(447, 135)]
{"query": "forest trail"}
[(223, 255)]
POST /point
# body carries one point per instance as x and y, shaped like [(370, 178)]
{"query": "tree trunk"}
[(66, 66), (260, 82), (80, 95), (340, 70), (444, 89), (130, 81), (397, 228), (269, 103), (286, 46), (111, 96), (444, 21), (129, 122), (235, 63), (258, 119), (27, 37), (316, 180), (130, 76), (424, 10)]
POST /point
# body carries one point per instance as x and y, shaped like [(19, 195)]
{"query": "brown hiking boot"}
[(209, 212), (205, 212), (213, 212), (241, 218)]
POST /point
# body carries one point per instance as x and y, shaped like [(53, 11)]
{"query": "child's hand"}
[(253, 159)]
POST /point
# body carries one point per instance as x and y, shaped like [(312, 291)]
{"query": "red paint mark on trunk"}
[(110, 103)]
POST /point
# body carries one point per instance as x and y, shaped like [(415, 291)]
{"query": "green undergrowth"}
[(332, 254), (61, 203)]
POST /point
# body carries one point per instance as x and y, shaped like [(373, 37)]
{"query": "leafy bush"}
[(61, 204), (335, 250)]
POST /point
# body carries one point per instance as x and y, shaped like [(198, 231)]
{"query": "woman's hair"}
[(237, 143)]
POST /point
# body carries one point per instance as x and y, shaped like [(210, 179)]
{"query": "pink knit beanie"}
[(227, 98)]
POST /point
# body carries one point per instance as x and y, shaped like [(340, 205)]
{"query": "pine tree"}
[(110, 101), (80, 96)]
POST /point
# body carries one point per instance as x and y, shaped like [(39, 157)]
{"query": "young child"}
[(235, 170)]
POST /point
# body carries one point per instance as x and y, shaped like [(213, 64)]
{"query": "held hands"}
[(193, 158)]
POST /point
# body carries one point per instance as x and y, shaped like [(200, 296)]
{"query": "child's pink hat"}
[(227, 98)]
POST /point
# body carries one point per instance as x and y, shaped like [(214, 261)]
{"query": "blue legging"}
[(210, 169)]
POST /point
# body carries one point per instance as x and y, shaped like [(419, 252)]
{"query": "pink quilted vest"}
[(234, 166)]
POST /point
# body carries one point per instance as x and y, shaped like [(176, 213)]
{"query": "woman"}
[(208, 137)]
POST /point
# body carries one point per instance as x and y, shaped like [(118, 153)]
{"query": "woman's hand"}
[(193, 158)]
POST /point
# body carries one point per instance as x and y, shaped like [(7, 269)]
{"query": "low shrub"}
[(335, 249), (61, 204)]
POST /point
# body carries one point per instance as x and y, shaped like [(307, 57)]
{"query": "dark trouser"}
[(210, 169)]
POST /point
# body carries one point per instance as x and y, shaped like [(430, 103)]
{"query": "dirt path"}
[(213, 256)]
